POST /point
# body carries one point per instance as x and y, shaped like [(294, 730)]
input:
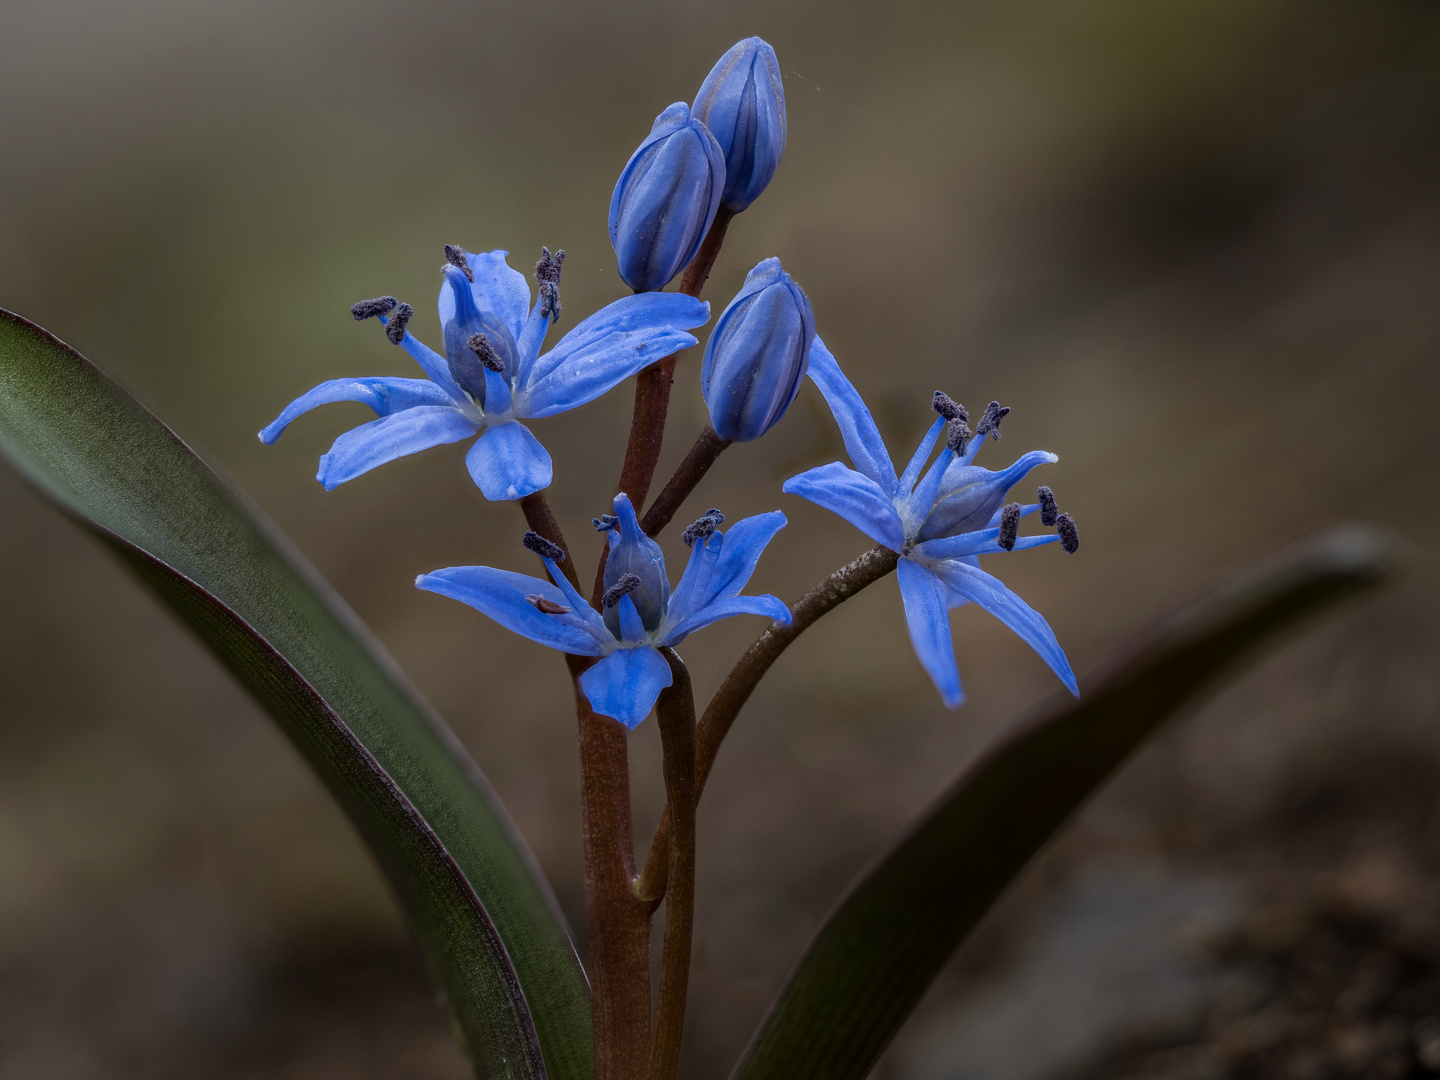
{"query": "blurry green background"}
[(1194, 246)]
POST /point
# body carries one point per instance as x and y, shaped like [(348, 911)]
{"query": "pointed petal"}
[(500, 290), (626, 683), (689, 596), (857, 427), (609, 347), (992, 595), (507, 462), (361, 449), (772, 607), (742, 546), (384, 395), (500, 594), (856, 498), (928, 618), (922, 454)]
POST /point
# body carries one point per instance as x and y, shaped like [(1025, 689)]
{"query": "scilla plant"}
[(521, 1000)]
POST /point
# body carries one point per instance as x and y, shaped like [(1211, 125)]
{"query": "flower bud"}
[(666, 199), (758, 354), (742, 102)]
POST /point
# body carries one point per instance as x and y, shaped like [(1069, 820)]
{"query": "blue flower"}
[(742, 102), (492, 374), (758, 354), (639, 612), (939, 523), (666, 199)]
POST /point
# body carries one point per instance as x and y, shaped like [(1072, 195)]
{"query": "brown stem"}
[(741, 682), (675, 711), (541, 519), (652, 396), (692, 470), (617, 925)]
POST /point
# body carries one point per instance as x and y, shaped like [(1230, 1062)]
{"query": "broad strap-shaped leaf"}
[(902, 919), (483, 913)]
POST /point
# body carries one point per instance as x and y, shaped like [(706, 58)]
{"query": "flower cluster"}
[(701, 164)]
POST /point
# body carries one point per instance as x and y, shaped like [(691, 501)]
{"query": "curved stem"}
[(675, 711), (725, 706), (692, 470)]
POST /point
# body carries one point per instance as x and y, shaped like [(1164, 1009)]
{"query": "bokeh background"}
[(1194, 245)]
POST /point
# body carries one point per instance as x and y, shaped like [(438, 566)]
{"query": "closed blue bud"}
[(742, 102), (666, 200), (758, 354)]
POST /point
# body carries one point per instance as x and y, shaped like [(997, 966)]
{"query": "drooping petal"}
[(500, 290), (500, 594), (361, 449), (608, 347), (507, 462), (772, 607), (856, 498), (991, 594), (384, 395), (927, 616), (626, 683), (857, 427)]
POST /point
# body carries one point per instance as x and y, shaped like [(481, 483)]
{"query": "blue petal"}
[(922, 454), (742, 101), (928, 618), (527, 347), (857, 427), (626, 683), (632, 630), (500, 594), (855, 498), (992, 595), (772, 607), (608, 347), (953, 599), (384, 395), (969, 496), (361, 449), (435, 366), (690, 594), (499, 290), (507, 462)]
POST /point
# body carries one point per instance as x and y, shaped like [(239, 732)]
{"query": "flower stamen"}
[(627, 584), (703, 527), (990, 423), (1009, 526), (480, 345), (957, 434), (605, 522), (456, 258), (1069, 534), (368, 309), (395, 329), (546, 605), (948, 407), (1049, 512), (547, 276), (533, 541)]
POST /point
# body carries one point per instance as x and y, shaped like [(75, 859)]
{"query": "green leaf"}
[(872, 960), (485, 917)]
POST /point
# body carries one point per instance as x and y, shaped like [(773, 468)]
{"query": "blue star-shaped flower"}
[(938, 524), (639, 612), (492, 374)]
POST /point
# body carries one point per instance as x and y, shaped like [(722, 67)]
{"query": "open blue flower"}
[(492, 374), (939, 523), (639, 612)]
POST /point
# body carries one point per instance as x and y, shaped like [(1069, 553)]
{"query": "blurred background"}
[(1195, 246)]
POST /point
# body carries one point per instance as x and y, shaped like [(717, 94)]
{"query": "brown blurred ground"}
[(1195, 246)]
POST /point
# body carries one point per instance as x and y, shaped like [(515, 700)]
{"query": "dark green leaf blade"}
[(115, 468), (901, 920)]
